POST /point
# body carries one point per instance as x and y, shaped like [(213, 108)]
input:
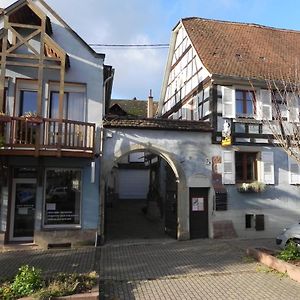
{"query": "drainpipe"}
[(100, 236)]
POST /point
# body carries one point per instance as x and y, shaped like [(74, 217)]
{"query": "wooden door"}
[(171, 204), (198, 213)]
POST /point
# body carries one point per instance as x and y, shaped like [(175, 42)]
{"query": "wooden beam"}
[(3, 63), (61, 102), (40, 83), (29, 65), (36, 10), (24, 41), (54, 45), (19, 25)]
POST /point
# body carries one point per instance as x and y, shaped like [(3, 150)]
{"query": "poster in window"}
[(197, 204)]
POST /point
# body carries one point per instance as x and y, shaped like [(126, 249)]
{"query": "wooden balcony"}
[(46, 137)]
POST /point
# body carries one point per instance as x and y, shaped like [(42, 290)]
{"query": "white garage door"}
[(133, 184)]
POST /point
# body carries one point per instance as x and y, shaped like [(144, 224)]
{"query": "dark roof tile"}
[(134, 107), (161, 124)]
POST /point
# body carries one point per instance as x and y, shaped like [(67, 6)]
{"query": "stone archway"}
[(170, 159)]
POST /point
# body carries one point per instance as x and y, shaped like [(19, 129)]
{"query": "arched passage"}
[(163, 206)]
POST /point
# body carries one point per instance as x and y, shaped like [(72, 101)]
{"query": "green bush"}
[(291, 252), (27, 281)]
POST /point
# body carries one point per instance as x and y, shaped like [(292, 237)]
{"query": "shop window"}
[(62, 197), (246, 166)]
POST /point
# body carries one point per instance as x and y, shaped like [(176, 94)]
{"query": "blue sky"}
[(148, 22)]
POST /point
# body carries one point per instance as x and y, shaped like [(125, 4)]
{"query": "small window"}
[(28, 102), (249, 220), (245, 104), (246, 166), (136, 157)]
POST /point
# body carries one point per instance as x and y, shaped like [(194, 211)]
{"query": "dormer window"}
[(245, 104)]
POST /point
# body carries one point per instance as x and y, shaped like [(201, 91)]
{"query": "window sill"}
[(60, 228), (247, 120)]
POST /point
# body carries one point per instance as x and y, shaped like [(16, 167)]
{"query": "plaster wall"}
[(280, 203), (179, 149)]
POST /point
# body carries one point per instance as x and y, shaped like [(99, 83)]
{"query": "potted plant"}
[(4, 118), (33, 118), (253, 187)]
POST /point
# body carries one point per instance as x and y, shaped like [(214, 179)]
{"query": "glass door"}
[(23, 209)]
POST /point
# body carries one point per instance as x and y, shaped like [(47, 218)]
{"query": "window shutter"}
[(293, 107), (264, 105), (221, 201), (260, 222), (267, 167), (294, 171), (228, 175), (184, 113), (196, 109), (228, 102)]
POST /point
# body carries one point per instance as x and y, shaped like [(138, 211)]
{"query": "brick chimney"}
[(150, 106)]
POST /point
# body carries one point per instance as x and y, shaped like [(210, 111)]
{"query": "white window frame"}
[(53, 226), (263, 101), (28, 85), (69, 87), (265, 158), (228, 101), (292, 161), (232, 161)]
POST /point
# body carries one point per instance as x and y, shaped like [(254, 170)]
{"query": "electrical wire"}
[(132, 46)]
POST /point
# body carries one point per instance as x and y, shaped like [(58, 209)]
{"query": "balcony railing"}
[(43, 134)]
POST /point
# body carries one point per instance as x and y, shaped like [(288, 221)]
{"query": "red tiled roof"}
[(245, 50), (158, 124)]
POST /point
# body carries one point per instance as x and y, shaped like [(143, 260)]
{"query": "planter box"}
[(34, 120), (277, 264), (93, 295)]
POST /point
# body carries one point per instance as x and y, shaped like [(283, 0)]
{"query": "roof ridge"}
[(243, 24)]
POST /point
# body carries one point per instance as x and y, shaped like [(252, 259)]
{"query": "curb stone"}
[(92, 295), (277, 264)]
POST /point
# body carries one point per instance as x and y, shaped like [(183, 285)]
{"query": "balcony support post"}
[(3, 62), (61, 103)]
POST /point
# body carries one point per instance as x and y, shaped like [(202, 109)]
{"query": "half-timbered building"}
[(218, 72)]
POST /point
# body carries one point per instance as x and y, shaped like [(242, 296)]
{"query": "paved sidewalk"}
[(198, 269), (79, 260)]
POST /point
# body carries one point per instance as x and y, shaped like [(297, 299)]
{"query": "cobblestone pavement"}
[(198, 269), (79, 260)]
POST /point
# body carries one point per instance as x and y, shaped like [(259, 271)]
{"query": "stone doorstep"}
[(93, 295), (281, 266)]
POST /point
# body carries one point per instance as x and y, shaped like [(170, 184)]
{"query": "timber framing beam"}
[(3, 62), (49, 55)]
